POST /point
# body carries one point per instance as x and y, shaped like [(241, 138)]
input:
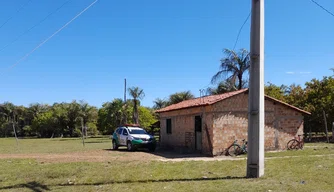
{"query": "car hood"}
[(142, 136)]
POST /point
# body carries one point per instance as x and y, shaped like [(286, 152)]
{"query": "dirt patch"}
[(108, 155)]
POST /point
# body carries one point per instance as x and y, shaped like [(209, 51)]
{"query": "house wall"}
[(183, 129), (227, 120), (230, 122)]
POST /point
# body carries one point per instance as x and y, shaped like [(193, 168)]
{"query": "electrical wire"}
[(11, 17), (236, 41), (31, 28), (47, 39), (242, 26), (323, 8)]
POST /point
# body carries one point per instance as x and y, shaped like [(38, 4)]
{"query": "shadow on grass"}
[(64, 139), (169, 154), (34, 186), (97, 141)]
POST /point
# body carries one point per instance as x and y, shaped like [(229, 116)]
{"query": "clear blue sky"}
[(161, 46)]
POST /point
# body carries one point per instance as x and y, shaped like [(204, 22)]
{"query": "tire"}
[(293, 144), (234, 150), (114, 145), (301, 145), (129, 146)]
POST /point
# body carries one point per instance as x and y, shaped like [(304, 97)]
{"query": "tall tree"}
[(137, 94), (73, 110), (277, 92), (87, 113), (233, 67), (223, 87), (180, 96), (159, 103)]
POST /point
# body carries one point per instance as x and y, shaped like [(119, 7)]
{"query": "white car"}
[(132, 137)]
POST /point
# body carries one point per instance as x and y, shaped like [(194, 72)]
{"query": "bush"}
[(28, 131), (77, 132), (92, 129)]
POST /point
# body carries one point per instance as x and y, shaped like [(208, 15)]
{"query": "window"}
[(125, 132), (137, 131), (169, 126), (119, 131)]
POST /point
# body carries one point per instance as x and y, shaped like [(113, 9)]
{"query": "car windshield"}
[(137, 131)]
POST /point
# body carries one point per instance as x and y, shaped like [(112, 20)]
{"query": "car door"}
[(124, 136), (118, 135)]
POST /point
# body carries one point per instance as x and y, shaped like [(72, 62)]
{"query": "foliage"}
[(233, 68), (110, 116), (223, 87), (146, 117), (159, 103), (137, 94), (320, 97), (179, 97), (60, 119), (275, 91)]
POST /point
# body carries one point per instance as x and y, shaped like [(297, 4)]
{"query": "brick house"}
[(210, 124)]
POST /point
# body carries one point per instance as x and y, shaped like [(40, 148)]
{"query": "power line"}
[(322, 7), (236, 41), (242, 26), (31, 28), (11, 17), (47, 39)]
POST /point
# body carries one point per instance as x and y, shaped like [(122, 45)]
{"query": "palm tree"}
[(137, 94), (223, 87), (159, 103), (180, 96), (233, 67), (86, 113)]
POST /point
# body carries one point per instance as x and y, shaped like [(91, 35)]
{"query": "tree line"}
[(75, 118), (79, 118)]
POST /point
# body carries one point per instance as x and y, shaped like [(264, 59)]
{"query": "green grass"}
[(57, 145), (306, 172), (302, 173)]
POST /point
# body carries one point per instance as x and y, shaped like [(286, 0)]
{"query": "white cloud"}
[(305, 72), (290, 72)]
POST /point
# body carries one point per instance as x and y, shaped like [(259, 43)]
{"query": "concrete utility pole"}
[(255, 158)]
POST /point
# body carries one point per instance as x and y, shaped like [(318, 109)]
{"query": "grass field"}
[(311, 169), (61, 145)]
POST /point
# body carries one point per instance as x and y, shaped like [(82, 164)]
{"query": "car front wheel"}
[(129, 146)]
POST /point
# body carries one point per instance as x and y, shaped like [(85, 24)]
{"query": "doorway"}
[(198, 133)]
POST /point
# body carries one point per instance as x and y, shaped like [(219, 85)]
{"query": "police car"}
[(133, 137)]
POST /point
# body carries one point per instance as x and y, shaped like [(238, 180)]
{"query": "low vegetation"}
[(311, 169)]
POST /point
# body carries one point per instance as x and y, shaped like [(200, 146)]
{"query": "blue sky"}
[(161, 46)]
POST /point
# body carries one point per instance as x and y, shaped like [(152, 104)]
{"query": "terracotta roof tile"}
[(209, 100), (201, 101)]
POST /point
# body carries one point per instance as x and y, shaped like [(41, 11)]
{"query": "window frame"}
[(125, 130)]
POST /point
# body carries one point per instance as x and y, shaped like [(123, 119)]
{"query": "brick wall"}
[(230, 122), (183, 129), (227, 120)]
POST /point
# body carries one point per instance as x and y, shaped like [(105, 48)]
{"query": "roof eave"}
[(202, 105)]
